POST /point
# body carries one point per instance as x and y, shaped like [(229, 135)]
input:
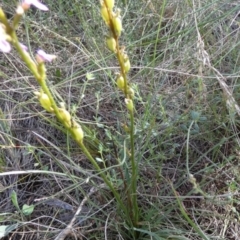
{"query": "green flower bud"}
[(104, 14), (127, 65), (130, 92), (126, 128), (44, 101), (123, 56), (117, 24), (120, 82), (77, 133), (42, 71), (110, 4), (129, 104), (65, 117), (111, 44)]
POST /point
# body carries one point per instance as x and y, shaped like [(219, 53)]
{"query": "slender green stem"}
[(25, 56), (187, 148), (185, 215), (159, 29), (132, 189), (104, 177), (134, 172)]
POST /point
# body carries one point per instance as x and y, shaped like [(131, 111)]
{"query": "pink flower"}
[(44, 57), (4, 46), (24, 47), (4, 38), (27, 3)]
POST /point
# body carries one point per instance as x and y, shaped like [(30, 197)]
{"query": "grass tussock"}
[(185, 74)]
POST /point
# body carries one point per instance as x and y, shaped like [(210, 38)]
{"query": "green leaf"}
[(203, 118), (58, 73), (195, 115), (3, 230), (14, 199), (6, 229), (27, 210)]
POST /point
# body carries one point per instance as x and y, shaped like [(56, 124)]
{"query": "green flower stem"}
[(25, 57), (3, 19), (132, 200), (104, 177), (134, 173), (185, 215)]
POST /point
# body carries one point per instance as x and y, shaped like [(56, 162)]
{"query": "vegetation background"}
[(185, 73)]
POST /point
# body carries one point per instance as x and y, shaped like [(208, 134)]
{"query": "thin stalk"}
[(159, 29), (134, 173), (185, 215), (187, 148), (132, 200), (25, 57), (103, 176)]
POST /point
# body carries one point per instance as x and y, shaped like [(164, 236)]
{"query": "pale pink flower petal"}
[(36, 4), (5, 46), (45, 57), (24, 48), (4, 37)]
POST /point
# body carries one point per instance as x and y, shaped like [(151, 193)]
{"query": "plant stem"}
[(134, 173), (104, 177)]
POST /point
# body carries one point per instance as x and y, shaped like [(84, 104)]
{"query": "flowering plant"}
[(113, 21)]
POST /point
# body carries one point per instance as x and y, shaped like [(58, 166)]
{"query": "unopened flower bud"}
[(111, 44), (123, 55), (20, 10), (117, 24), (130, 92), (78, 133), (41, 71), (44, 101), (104, 14), (65, 117), (110, 4), (126, 128), (129, 104), (120, 82), (127, 65)]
